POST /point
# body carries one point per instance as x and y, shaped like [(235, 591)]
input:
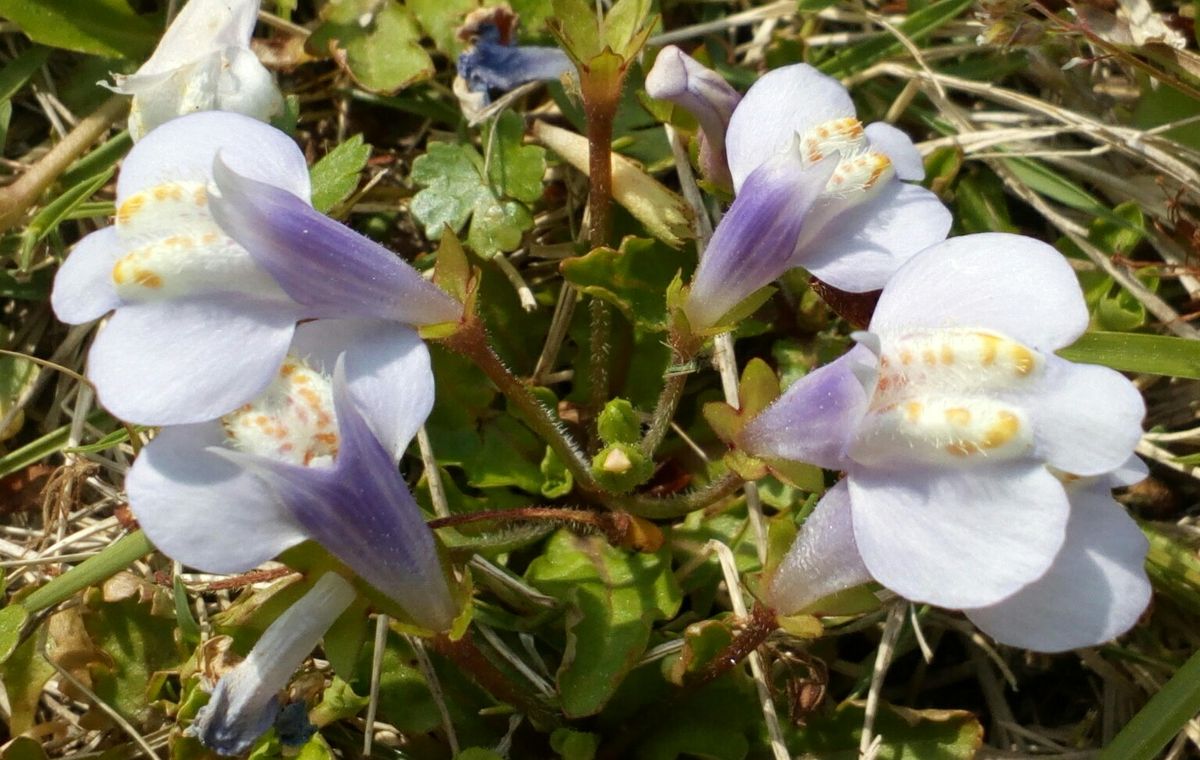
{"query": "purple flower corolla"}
[(954, 419), (202, 63), (314, 457), (703, 93), (493, 64), (815, 189), (245, 702), (199, 326)]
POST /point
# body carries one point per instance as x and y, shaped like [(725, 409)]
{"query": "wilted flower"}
[(311, 458), (493, 63), (245, 702), (815, 189), (954, 422), (705, 94), (202, 63), (200, 327)]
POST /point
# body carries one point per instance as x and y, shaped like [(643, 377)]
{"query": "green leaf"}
[(478, 753), (1055, 186), (49, 217), (111, 560), (613, 598), (378, 43), (441, 18), (982, 205), (23, 676), (139, 645), (13, 619), (1161, 718), (907, 734), (17, 374), (335, 176), (19, 70), (1135, 352), (24, 747), (557, 480), (919, 24), (455, 190), (574, 745), (108, 28), (514, 168), (634, 279)]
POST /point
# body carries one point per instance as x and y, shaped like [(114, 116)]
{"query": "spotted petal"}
[(387, 371), (331, 269), (781, 104), (958, 538), (1095, 590), (898, 147)]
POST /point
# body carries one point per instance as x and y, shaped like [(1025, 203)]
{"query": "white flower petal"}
[(247, 87), (203, 26), (958, 538), (83, 288), (388, 373), (188, 360), (183, 149), (861, 248), (823, 559), (1011, 284), (782, 103), (897, 146), (1095, 590), (1086, 419), (203, 510)]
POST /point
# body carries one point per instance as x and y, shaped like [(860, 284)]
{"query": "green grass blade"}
[(1161, 718), (1135, 352), (916, 26), (112, 560)]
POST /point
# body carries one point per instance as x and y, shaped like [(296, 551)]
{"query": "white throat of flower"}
[(860, 171), (946, 397), (293, 421), (176, 248)]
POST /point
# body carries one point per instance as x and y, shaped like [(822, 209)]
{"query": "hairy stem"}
[(20, 195), (472, 342), (683, 349), (658, 508), (466, 655), (759, 626)]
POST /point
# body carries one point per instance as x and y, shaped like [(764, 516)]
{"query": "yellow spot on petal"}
[(957, 415), (912, 411), (1023, 360), (989, 344), (1004, 430), (200, 196), (947, 354), (929, 357), (129, 209)]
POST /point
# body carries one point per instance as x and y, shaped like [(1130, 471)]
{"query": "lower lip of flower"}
[(293, 421), (943, 397)]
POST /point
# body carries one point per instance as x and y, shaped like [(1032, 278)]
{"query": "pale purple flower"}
[(954, 421), (202, 63), (815, 189), (245, 702), (705, 94), (199, 326), (314, 457)]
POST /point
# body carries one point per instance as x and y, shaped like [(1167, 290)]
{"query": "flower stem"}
[(23, 193), (471, 341), (761, 623), (683, 349), (657, 508), (601, 96), (466, 655), (619, 528)]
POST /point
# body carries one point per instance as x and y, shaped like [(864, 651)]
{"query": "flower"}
[(245, 702), (312, 458), (493, 63), (704, 93), (954, 422), (202, 63), (199, 326), (815, 189)]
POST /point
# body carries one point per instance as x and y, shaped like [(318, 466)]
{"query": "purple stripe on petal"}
[(753, 244), (328, 267), (361, 511), (815, 420)]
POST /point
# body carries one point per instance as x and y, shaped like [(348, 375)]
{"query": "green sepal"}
[(621, 467), (619, 423), (746, 466), (758, 388)]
